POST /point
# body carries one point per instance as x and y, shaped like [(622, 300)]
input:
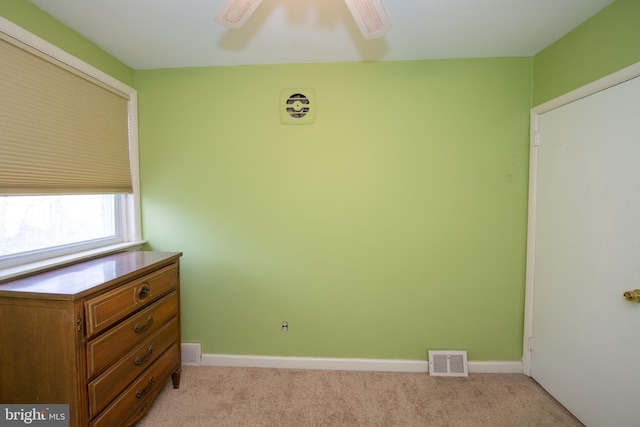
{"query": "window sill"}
[(35, 267)]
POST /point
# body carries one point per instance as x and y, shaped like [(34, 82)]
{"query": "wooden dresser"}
[(101, 335)]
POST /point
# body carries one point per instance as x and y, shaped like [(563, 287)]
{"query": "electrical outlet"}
[(285, 326)]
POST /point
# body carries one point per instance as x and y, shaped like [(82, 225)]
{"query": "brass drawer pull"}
[(139, 361), (632, 295), (140, 393), (137, 329), (144, 291)]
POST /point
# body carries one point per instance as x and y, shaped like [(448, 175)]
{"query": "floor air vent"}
[(191, 354), (448, 363)]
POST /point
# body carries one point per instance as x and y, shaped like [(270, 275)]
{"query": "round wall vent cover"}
[(297, 106)]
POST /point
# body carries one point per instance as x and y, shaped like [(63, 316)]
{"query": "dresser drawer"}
[(136, 397), (111, 345), (110, 307), (107, 386)]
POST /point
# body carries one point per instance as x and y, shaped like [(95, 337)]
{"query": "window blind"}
[(61, 132)]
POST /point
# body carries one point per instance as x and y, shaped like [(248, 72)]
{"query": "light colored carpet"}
[(223, 396)]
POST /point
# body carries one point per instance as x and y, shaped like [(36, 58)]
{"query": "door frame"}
[(604, 83)]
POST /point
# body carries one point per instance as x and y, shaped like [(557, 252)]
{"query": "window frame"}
[(129, 206)]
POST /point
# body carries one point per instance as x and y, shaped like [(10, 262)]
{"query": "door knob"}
[(632, 295)]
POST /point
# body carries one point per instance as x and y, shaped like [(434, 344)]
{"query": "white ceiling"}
[(181, 33)]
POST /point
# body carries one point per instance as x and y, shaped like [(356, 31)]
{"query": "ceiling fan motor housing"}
[(297, 106)]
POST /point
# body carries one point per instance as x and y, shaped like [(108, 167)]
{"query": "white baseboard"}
[(345, 364)]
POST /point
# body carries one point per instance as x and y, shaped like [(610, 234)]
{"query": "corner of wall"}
[(41, 24), (605, 43)]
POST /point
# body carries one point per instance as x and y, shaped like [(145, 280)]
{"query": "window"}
[(33, 227), (68, 170)]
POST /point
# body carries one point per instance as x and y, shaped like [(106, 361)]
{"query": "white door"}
[(585, 336)]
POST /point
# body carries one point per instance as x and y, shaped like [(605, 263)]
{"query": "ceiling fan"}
[(368, 14)]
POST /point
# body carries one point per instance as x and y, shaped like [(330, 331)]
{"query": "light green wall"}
[(606, 43), (394, 224), (34, 20)]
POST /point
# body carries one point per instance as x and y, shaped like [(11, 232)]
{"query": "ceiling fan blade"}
[(233, 13), (370, 16)]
